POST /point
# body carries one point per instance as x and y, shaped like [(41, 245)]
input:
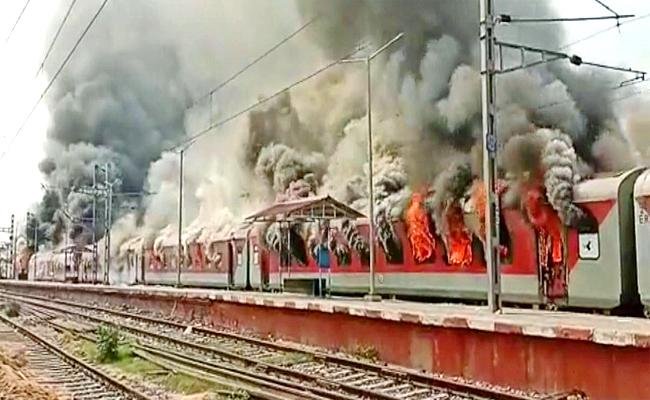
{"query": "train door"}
[(552, 271), (231, 263)]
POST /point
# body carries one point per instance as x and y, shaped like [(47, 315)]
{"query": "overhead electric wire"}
[(576, 19), (253, 62), (56, 36), (603, 31), (610, 89), (54, 77), (606, 7), (17, 21), (190, 140)]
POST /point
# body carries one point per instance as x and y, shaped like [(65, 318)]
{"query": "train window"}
[(240, 258), (589, 245), (256, 255)]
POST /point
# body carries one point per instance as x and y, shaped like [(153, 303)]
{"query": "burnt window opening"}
[(394, 252), (297, 246), (505, 240)]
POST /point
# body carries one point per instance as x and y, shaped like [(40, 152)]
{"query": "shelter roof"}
[(310, 208)]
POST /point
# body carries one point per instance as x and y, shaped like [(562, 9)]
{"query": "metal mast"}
[(95, 255), (488, 105), (371, 191), (180, 219)]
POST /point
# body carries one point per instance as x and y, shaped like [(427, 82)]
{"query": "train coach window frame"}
[(256, 255)]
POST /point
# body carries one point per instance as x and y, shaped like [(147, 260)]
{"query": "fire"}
[(417, 225), (547, 224), (479, 199), (458, 238)]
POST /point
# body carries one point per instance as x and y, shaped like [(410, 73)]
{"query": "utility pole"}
[(107, 192), (180, 218), (371, 296), (489, 71), (9, 247), (103, 190), (488, 106), (95, 252)]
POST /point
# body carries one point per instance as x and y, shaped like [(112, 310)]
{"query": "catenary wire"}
[(253, 62), (56, 36), (591, 36), (190, 140), (51, 82), (17, 21)]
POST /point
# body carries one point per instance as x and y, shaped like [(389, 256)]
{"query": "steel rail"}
[(423, 378), (76, 361), (293, 388), (169, 364)]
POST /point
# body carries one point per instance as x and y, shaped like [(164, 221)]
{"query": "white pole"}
[(371, 192), (488, 102)]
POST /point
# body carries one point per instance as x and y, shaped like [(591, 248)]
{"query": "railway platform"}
[(605, 356)]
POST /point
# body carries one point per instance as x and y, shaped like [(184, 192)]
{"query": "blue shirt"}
[(323, 257)]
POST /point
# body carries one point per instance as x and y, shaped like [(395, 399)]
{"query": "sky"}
[(22, 53)]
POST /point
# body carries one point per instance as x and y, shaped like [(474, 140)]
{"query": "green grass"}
[(290, 359), (130, 364)]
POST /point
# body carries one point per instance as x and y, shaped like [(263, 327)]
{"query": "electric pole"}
[(488, 106), (489, 71), (9, 247), (180, 218), (371, 295), (94, 194)]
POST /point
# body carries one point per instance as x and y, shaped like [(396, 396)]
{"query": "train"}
[(603, 265)]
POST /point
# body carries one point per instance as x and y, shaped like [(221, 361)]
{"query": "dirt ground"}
[(15, 381)]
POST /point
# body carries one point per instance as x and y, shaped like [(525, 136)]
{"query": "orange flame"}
[(547, 224), (417, 229), (459, 240)]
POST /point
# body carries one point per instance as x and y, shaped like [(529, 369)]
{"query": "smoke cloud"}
[(125, 98)]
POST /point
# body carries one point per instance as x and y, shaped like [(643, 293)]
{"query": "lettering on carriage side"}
[(643, 216)]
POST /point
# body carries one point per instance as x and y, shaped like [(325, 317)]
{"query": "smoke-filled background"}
[(131, 93)]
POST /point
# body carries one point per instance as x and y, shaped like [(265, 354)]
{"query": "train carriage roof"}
[(601, 187), (642, 185)]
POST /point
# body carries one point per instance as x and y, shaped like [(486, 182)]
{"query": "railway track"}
[(68, 376), (320, 375)]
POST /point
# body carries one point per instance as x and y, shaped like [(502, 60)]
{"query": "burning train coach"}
[(589, 263)]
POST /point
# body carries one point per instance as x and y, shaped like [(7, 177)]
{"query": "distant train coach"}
[(318, 243)]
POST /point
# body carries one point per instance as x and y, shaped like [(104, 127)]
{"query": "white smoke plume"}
[(560, 174)]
